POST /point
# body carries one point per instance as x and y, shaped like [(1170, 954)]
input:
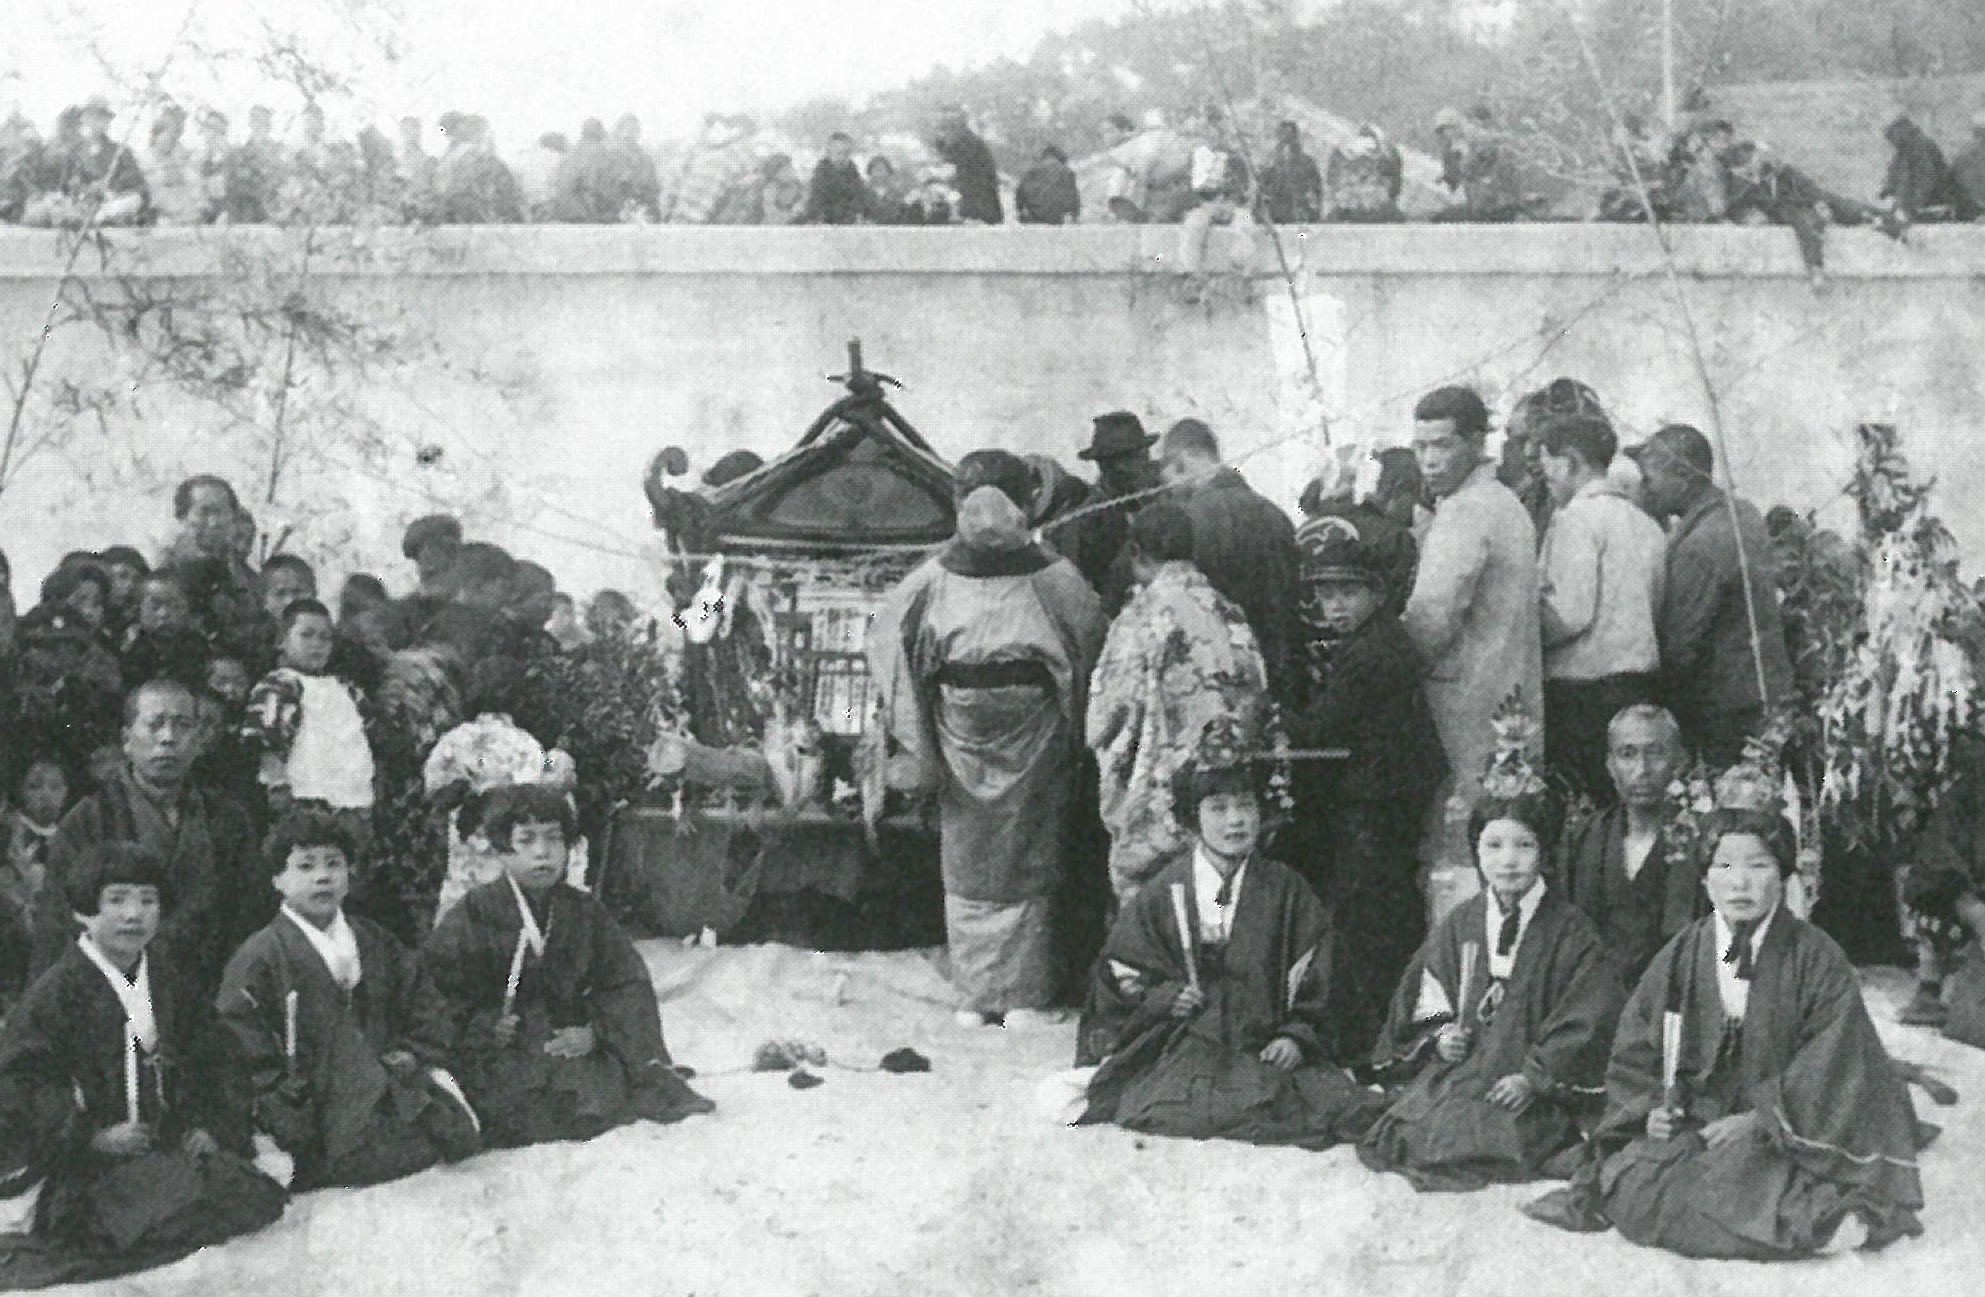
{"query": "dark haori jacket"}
[(1551, 1021), (1202, 1077), (336, 1108), (1367, 696), (589, 975), (1839, 1135), (63, 1078), (203, 853), (1247, 549), (1635, 916)]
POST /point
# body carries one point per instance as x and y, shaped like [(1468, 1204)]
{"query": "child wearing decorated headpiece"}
[(1206, 1011), (1751, 1109), (1501, 1025)]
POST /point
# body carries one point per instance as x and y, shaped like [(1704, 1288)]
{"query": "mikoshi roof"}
[(861, 477)]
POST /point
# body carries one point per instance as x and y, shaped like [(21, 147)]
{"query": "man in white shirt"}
[(1602, 566)]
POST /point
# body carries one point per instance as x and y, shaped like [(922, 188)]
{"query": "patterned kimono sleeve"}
[(274, 711)]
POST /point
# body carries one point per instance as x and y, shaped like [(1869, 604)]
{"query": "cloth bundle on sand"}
[(1550, 1021), (1202, 1077)]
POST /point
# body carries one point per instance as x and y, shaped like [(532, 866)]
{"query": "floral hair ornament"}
[(1759, 782), (1509, 773)]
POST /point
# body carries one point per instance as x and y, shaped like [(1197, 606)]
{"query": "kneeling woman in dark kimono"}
[(556, 1028), (111, 1110), (1750, 1106), (1502, 1021), (1206, 1010), (338, 1037)]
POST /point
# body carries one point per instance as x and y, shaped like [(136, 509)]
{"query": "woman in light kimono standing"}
[(982, 659)]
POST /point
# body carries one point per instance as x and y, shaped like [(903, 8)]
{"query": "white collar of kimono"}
[(135, 994), (1526, 904), (528, 932), (1215, 920), (1493, 915), (1724, 933), (336, 945)]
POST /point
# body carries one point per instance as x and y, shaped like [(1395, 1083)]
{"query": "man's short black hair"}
[(1191, 436), (136, 697), (182, 497), (113, 864), (297, 609), (840, 135), (1589, 437), (290, 563), (1121, 121), (481, 563), (1461, 405), (124, 556), (1685, 442), (307, 824), (1162, 532)]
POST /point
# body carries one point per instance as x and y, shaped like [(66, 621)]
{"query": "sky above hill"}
[(528, 66)]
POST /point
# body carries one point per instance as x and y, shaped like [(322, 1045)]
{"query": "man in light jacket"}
[(1472, 613), (1602, 577)]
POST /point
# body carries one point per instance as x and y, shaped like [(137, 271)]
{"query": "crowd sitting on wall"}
[(193, 169)]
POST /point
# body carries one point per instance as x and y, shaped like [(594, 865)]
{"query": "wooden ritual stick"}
[(130, 1074), (516, 973), (289, 1029), (1187, 941), (1471, 955)]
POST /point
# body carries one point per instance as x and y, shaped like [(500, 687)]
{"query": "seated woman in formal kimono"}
[(1750, 1107), (1206, 1011), (557, 1034), (111, 1115), (337, 1036), (1501, 1024)]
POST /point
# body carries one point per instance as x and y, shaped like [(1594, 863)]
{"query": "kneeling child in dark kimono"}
[(338, 1037), (113, 1118), (1502, 1021), (1206, 1011), (557, 1032)]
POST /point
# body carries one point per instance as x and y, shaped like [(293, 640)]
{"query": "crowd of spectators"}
[(1202, 171)]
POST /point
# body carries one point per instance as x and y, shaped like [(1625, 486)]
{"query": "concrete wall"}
[(523, 377)]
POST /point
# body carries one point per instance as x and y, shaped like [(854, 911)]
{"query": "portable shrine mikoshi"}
[(777, 577)]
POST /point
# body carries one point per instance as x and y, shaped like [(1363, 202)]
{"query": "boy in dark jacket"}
[(337, 1036), (557, 1033), (1361, 694)]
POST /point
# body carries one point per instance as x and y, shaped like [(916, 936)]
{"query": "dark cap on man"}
[(423, 532), (1117, 434), (1678, 441)]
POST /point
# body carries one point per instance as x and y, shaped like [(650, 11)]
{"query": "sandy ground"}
[(875, 1184)]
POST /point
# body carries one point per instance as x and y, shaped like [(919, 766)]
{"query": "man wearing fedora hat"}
[(1095, 542)]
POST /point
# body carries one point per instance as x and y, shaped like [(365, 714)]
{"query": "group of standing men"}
[(1174, 593)]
